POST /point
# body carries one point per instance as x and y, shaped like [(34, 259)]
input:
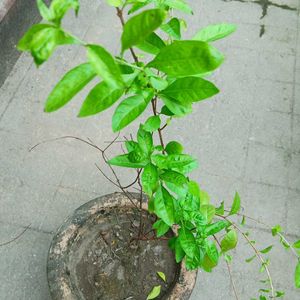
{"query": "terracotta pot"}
[(64, 251)]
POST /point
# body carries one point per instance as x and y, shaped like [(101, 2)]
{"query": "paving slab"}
[(246, 140)]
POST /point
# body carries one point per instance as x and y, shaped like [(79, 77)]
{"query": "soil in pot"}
[(108, 263)]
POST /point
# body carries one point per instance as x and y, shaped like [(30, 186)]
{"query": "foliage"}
[(169, 84)]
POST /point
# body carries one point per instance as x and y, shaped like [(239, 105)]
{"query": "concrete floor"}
[(247, 139)]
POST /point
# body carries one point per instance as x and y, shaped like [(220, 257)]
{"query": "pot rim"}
[(58, 279)]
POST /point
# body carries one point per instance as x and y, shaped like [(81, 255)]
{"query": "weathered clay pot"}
[(73, 240)]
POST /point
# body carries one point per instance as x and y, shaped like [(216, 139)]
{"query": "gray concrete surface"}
[(247, 139)]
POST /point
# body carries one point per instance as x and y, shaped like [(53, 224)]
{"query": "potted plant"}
[(147, 244)]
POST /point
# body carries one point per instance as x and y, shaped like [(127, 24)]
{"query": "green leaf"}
[(297, 245), (164, 206), (145, 141), (188, 242), (266, 250), (248, 260), (129, 109), (165, 111), (220, 209), (174, 147), (229, 241), (44, 10), (276, 229), (174, 177), (216, 227), (236, 206), (58, 9), (185, 58), (172, 28), (140, 26), (162, 275), (41, 40), (179, 252), (154, 292), (152, 124), (297, 275), (105, 66), (150, 179), (101, 97), (177, 108), (212, 255), (208, 211), (179, 5), (72, 82), (190, 89), (204, 197), (182, 163), (161, 228), (158, 83), (25, 42), (152, 44), (138, 5), (131, 146), (115, 3), (214, 32), (123, 161)]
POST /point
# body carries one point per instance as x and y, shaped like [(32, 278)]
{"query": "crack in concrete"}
[(262, 30), (265, 5)]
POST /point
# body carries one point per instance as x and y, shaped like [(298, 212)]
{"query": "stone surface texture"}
[(247, 138)]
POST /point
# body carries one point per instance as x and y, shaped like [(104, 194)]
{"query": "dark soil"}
[(109, 263)]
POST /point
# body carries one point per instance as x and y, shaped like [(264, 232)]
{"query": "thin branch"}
[(258, 255), (229, 272), (17, 237), (269, 227), (153, 102)]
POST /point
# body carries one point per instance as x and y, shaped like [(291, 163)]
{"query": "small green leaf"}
[(185, 58), (105, 65), (152, 44), (172, 28), (164, 206), (190, 89), (150, 179), (161, 228), (188, 242), (276, 229), (174, 177), (162, 275), (297, 275), (177, 108), (182, 163), (165, 111), (129, 109), (236, 206), (279, 294), (138, 5), (101, 97), (228, 258), (229, 241), (216, 227), (158, 83), (154, 292), (131, 146), (208, 211), (115, 3), (145, 141), (248, 260), (266, 250), (72, 82), (45, 12), (214, 32), (297, 245), (179, 252), (124, 161), (211, 257), (139, 27), (179, 5), (59, 8), (174, 147), (220, 209), (152, 124)]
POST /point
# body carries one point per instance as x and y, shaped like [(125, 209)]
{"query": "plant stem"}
[(120, 15), (230, 273)]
